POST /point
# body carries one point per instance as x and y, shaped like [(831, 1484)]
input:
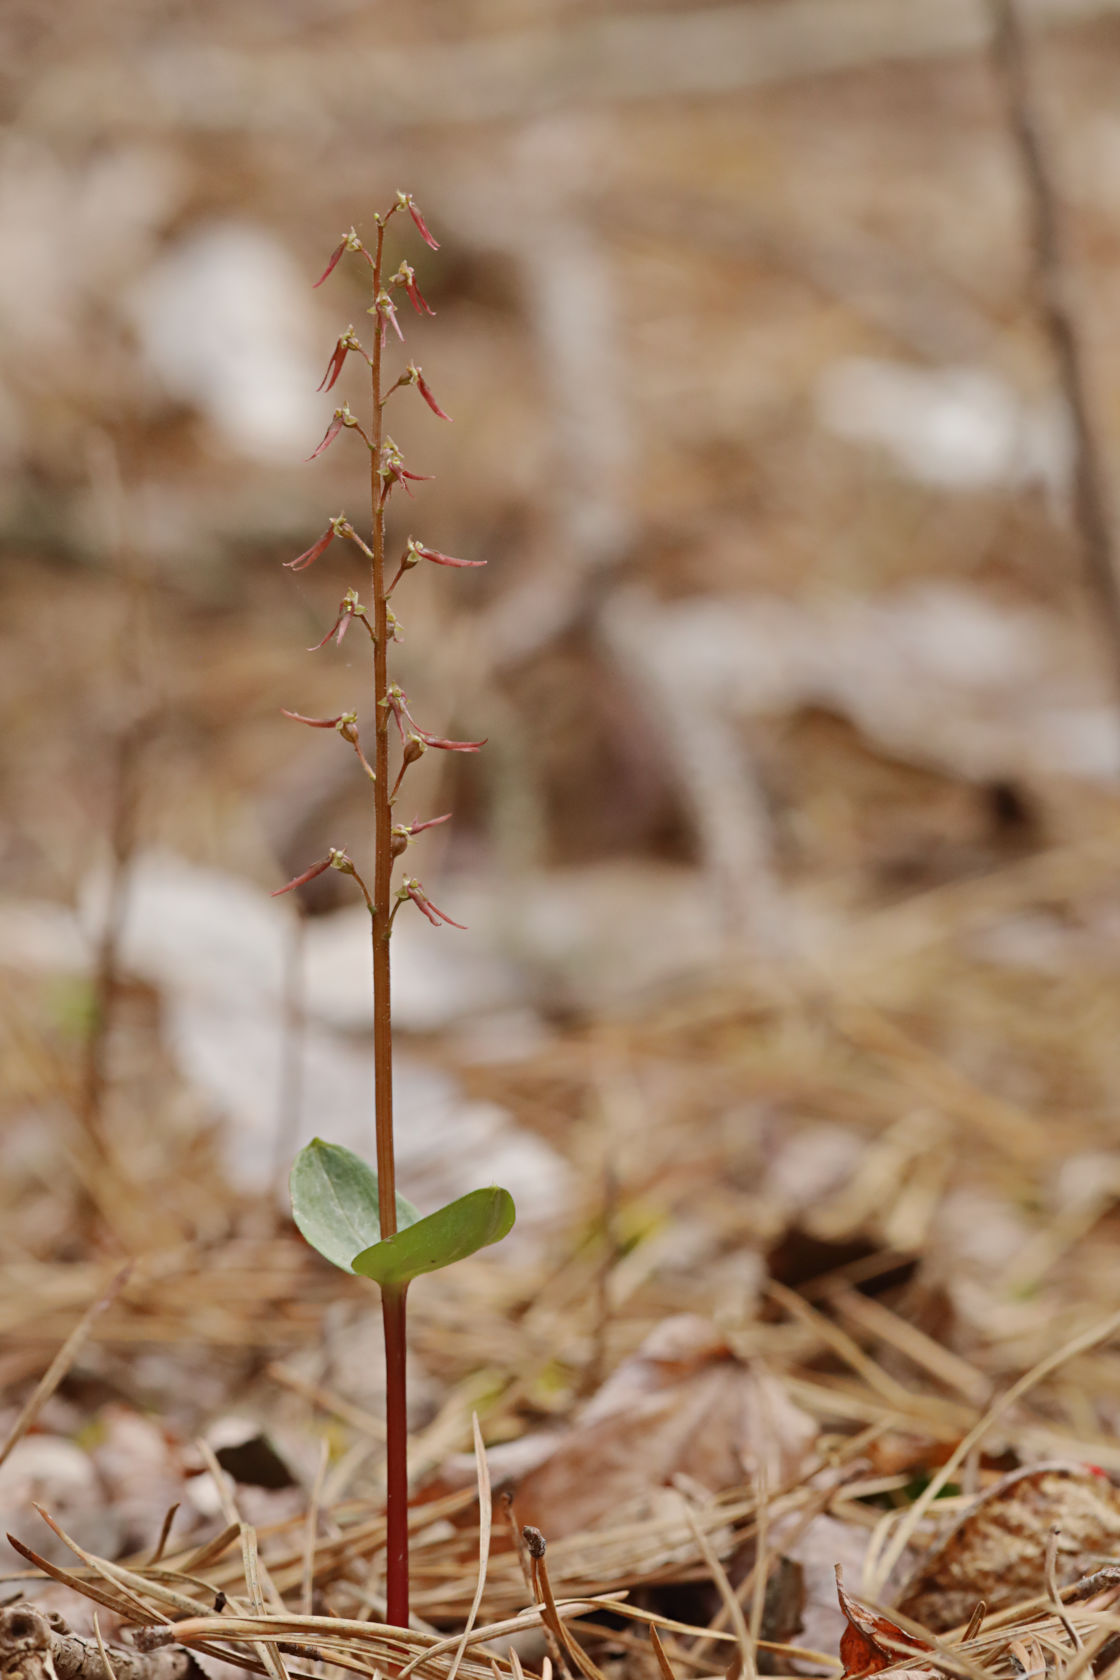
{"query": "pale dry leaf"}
[(683, 1406), (997, 1550)]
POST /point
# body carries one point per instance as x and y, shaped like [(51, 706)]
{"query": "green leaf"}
[(461, 1228), (334, 1202)]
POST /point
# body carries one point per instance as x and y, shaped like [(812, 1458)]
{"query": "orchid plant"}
[(352, 1214)]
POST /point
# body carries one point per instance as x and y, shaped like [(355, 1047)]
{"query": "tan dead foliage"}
[(683, 1406), (997, 1551)]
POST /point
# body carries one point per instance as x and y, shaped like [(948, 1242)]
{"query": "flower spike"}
[(421, 226)]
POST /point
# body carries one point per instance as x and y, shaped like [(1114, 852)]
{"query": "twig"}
[(1052, 1583), (29, 1645)]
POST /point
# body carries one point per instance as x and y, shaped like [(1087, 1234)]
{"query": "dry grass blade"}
[(61, 1363), (659, 1652), (549, 1612), (164, 1535), (268, 1653), (1052, 1584), (975, 1623), (105, 1570), (109, 1669), (307, 1589), (485, 1520), (70, 1578), (729, 1596)]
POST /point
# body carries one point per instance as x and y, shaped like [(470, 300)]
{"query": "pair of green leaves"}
[(334, 1204)]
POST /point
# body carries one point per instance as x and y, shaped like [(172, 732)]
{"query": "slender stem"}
[(383, 820), (396, 1458), (392, 1301)]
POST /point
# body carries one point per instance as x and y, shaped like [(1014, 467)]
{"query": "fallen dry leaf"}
[(871, 1641), (997, 1551), (684, 1405)]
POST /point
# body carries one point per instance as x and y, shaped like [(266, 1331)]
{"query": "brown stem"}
[(392, 1301), (396, 1458)]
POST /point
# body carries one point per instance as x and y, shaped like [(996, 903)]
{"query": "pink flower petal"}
[(330, 268), (331, 433), (316, 723), (439, 559), (425, 391), (310, 555), (319, 868), (421, 225)]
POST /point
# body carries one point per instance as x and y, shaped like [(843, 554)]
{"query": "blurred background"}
[(797, 835)]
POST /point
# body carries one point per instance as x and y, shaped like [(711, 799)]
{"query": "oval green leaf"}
[(334, 1202), (439, 1239)]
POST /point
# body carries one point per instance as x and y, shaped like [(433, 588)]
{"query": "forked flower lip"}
[(397, 701), (425, 391), (336, 858), (436, 556), (411, 888), (348, 242), (320, 723), (413, 209), (310, 555)]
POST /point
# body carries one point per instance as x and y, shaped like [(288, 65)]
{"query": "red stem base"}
[(396, 1455)]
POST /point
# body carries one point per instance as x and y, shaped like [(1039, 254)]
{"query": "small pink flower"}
[(310, 555), (398, 705), (320, 723), (336, 858), (393, 470), (418, 551), (410, 204), (386, 311), (348, 242), (405, 833), (342, 349), (327, 272), (332, 431), (342, 417), (412, 889), (406, 277), (417, 379), (349, 608), (339, 526)]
